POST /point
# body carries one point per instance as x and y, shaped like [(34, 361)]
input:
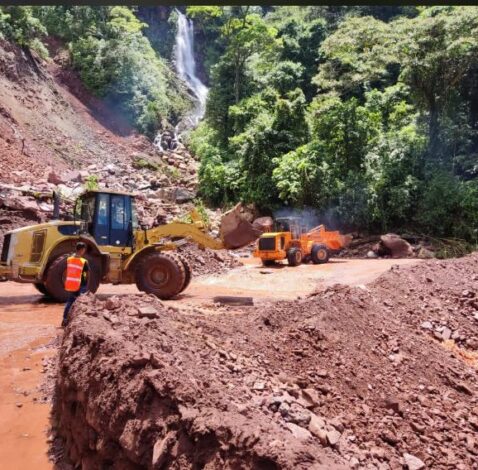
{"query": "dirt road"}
[(28, 328)]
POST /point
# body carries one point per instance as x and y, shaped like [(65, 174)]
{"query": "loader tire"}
[(161, 274), (56, 272), (294, 256), (319, 254), (40, 287), (188, 272), (268, 262)]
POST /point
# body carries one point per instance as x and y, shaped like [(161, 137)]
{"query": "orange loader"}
[(290, 240)]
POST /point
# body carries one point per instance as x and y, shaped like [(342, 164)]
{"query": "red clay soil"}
[(361, 377), (49, 120)]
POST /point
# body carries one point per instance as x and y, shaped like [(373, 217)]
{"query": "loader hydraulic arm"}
[(184, 230)]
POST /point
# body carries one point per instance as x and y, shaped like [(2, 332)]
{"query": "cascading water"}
[(186, 65), (186, 68)]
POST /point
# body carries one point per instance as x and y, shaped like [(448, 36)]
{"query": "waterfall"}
[(186, 65), (186, 68)]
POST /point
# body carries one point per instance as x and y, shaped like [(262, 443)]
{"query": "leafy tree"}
[(302, 33), (18, 24), (246, 36), (359, 55), (73, 22), (438, 49)]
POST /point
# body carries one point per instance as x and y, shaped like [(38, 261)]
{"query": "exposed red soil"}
[(348, 376), (49, 120)]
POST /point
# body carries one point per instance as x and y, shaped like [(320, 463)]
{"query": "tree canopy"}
[(368, 114)]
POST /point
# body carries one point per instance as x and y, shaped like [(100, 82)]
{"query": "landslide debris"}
[(144, 386), (56, 136), (380, 377)]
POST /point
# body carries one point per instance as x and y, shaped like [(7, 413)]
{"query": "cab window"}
[(88, 209), (118, 217)]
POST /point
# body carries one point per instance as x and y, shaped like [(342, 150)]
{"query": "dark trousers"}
[(71, 299)]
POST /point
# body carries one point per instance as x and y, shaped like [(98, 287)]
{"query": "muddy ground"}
[(28, 328), (378, 376)]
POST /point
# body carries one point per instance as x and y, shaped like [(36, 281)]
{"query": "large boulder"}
[(21, 203), (394, 246), (264, 224), (182, 195)]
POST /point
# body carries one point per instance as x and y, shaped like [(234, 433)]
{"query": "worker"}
[(76, 281)]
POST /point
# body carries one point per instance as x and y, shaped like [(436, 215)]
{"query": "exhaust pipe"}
[(56, 206)]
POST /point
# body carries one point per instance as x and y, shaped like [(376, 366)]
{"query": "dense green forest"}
[(367, 114)]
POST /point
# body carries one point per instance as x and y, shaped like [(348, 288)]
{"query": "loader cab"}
[(109, 217), (289, 224)]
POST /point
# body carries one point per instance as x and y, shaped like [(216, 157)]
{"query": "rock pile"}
[(389, 245), (208, 261), (349, 376), (54, 135), (161, 392)]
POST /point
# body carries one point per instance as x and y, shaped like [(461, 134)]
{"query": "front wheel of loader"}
[(55, 277), (319, 254), (294, 256), (268, 262), (40, 287), (161, 274)]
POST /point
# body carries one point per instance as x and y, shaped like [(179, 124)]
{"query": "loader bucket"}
[(235, 231), (333, 239)]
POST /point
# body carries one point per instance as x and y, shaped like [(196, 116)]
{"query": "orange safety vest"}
[(74, 271)]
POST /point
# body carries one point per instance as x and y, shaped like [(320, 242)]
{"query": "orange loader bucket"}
[(334, 240)]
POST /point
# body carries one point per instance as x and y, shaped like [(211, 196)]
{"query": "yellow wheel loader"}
[(118, 250)]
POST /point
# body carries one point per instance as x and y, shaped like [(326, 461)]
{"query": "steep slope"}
[(48, 119)]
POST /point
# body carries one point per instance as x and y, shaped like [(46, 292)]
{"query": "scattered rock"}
[(446, 334), (147, 311), (426, 325), (54, 178), (299, 432), (182, 195), (412, 462), (161, 450), (333, 437), (317, 427), (259, 386)]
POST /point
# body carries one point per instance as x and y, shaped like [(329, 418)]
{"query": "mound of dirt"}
[(373, 377), (143, 386)]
